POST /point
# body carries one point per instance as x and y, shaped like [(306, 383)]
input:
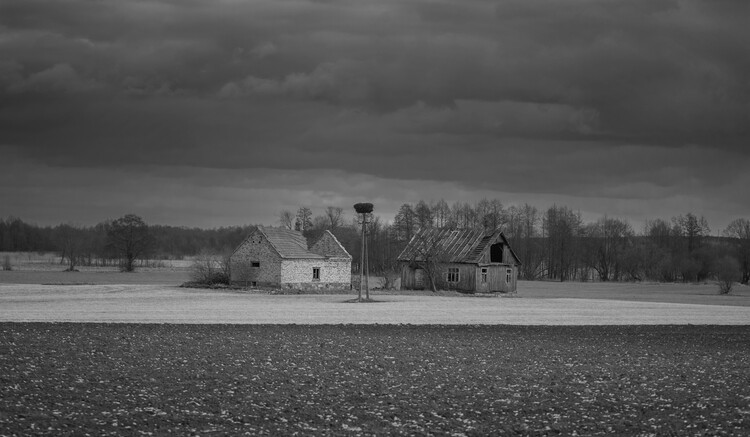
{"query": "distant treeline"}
[(553, 244), (166, 242)]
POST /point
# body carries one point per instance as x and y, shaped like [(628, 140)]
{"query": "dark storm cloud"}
[(620, 99), (656, 71)]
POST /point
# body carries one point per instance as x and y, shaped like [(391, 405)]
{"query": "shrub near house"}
[(278, 257)]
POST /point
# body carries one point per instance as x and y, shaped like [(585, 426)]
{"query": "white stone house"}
[(280, 258)]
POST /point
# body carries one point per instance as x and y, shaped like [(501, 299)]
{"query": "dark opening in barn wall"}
[(419, 279), (496, 253)]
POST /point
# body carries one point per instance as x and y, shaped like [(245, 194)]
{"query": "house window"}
[(453, 275), (484, 275), (508, 272), (255, 264), (316, 273)]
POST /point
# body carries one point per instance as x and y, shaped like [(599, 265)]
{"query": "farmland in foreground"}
[(113, 379)]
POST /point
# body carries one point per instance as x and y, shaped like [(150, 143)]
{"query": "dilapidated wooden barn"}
[(466, 260)]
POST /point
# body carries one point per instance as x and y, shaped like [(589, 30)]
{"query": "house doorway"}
[(483, 279), (419, 277)]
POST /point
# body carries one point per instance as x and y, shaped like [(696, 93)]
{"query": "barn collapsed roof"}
[(455, 245)]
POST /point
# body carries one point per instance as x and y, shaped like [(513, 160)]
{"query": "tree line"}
[(101, 244), (553, 243)]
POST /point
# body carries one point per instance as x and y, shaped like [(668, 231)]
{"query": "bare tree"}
[(210, 269), (661, 250), (490, 214), (464, 216), (563, 228), (286, 218), (405, 222), (608, 239), (129, 237), (514, 226), (660, 233), (456, 217), (496, 215), (727, 272), (423, 215), (304, 219), (470, 216), (483, 213), (739, 231), (389, 278), (320, 223), (71, 243), (693, 228), (441, 213), (527, 243), (334, 216), (429, 254)]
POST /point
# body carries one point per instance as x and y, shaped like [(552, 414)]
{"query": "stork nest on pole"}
[(363, 208)]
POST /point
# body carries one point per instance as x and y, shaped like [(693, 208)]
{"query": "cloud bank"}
[(611, 106)]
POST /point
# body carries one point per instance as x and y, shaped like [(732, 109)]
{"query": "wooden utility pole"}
[(364, 269), (362, 261)]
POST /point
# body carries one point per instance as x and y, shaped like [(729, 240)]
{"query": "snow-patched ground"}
[(140, 303)]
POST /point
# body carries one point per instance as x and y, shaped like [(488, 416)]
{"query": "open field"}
[(45, 268), (168, 304), (178, 272), (151, 295), (97, 276), (49, 261), (115, 379), (699, 294)]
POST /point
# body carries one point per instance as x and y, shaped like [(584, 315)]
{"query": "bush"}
[(6, 263), (388, 278), (210, 270), (727, 273)]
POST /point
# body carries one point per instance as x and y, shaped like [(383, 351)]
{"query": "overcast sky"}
[(224, 112)]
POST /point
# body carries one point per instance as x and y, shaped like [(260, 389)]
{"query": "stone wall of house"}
[(334, 273), (328, 245), (256, 249)]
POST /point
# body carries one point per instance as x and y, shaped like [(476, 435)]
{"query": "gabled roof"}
[(329, 246), (288, 243), (456, 245)]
